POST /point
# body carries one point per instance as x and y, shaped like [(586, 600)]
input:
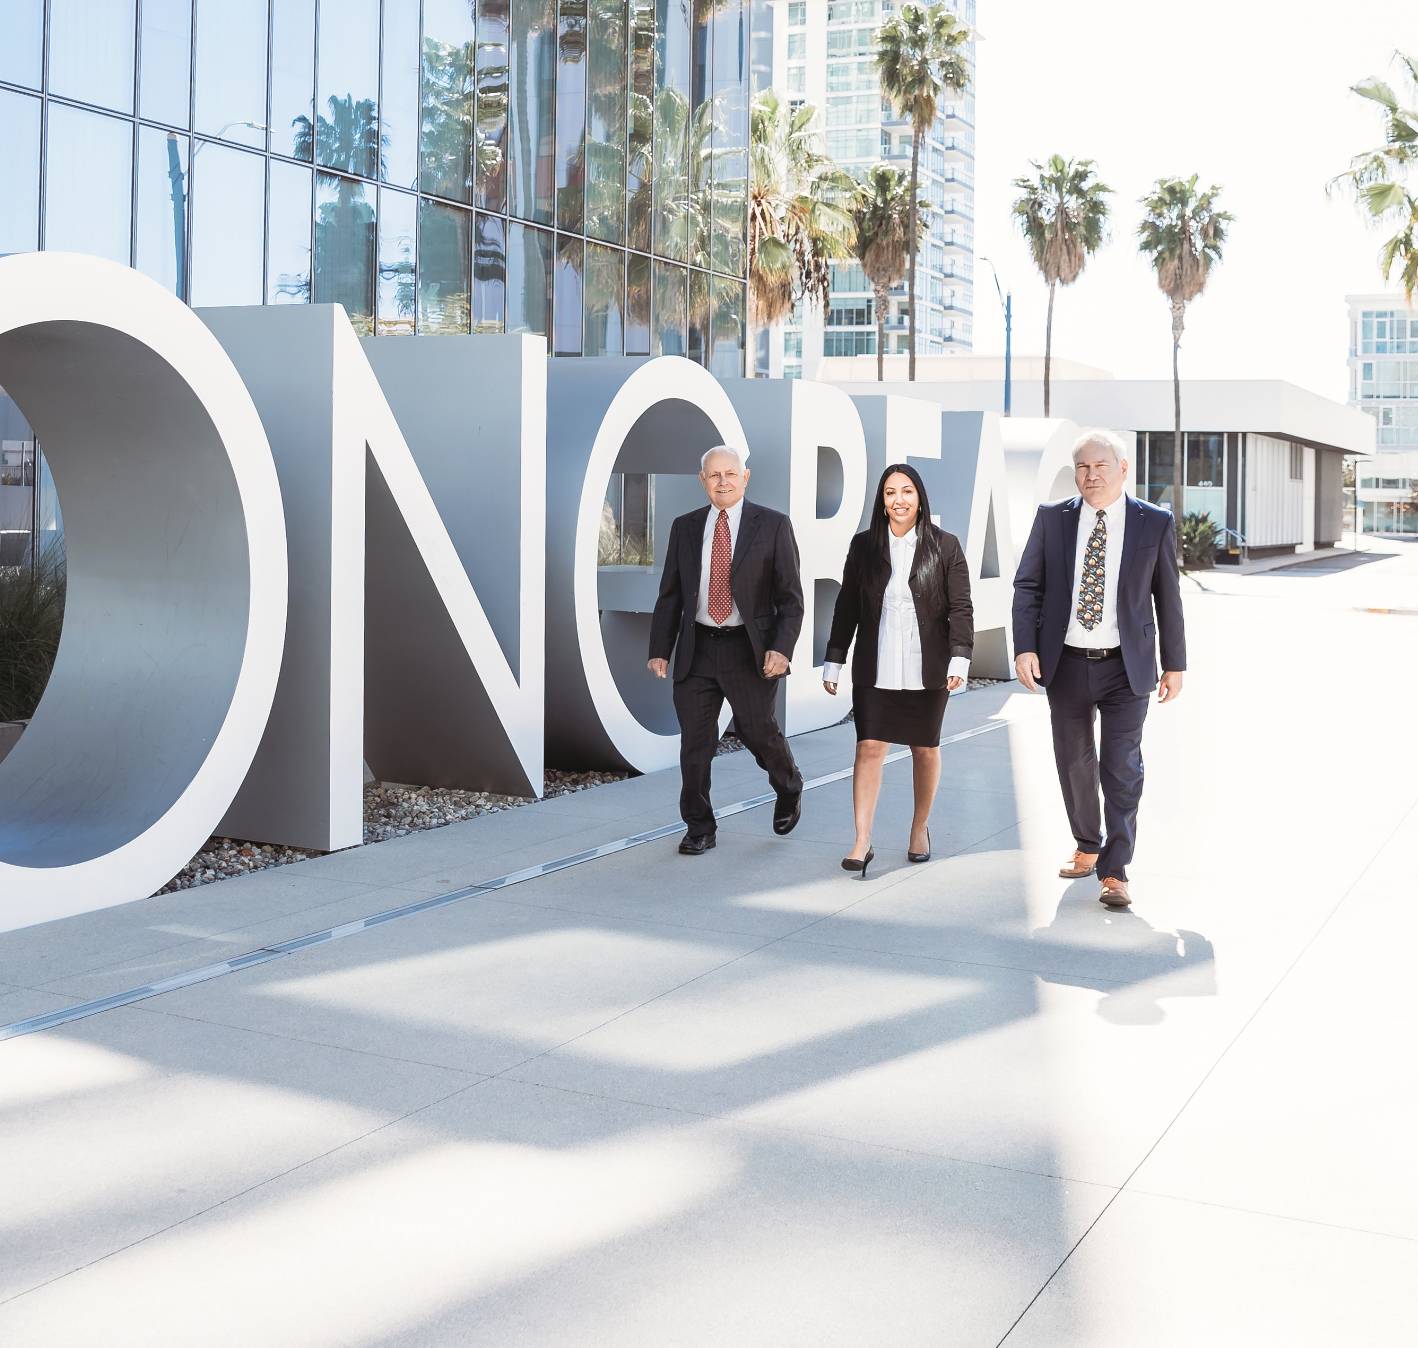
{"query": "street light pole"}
[(1007, 304)]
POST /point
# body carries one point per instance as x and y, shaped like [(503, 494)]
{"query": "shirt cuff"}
[(832, 673), (959, 667)]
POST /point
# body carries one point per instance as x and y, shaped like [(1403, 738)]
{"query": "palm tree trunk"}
[(916, 134), (881, 302), (1178, 448), (1049, 345)]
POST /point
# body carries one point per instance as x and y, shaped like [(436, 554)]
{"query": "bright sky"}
[(1251, 94)]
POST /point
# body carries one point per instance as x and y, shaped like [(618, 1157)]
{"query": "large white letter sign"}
[(177, 586), (603, 708), (391, 656), (819, 483)]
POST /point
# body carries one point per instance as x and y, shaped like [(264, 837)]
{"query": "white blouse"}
[(898, 642)]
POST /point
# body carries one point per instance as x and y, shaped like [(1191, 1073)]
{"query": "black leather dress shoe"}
[(696, 844), (787, 812)]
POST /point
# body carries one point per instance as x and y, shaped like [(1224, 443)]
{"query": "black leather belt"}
[(1087, 653), (734, 629)]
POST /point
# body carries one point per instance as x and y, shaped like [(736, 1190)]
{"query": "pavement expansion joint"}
[(265, 954)]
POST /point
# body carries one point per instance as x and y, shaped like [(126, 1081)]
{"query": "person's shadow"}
[(1119, 953)]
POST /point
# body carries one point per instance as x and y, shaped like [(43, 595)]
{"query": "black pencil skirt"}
[(899, 715)]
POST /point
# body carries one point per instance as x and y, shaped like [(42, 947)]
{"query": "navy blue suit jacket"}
[(1149, 590)]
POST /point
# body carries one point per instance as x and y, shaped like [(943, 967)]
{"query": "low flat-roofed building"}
[(1264, 458)]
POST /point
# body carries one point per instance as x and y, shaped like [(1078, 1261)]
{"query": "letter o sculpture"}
[(176, 607)]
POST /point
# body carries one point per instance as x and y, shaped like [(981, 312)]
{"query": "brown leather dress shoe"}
[(1114, 893), (1081, 864)]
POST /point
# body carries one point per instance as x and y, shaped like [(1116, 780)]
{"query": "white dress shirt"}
[(701, 613), (898, 640), (1105, 631)]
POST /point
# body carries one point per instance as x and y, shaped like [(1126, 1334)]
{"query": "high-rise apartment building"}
[(1383, 381), (825, 53)]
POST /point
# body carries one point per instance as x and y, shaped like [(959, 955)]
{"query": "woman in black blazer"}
[(906, 598)]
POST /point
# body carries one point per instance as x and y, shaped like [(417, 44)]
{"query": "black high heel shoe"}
[(921, 856), (855, 864)]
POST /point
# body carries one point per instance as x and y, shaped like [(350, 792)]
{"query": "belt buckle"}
[(1093, 653)]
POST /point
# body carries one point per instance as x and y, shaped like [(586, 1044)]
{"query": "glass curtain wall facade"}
[(826, 56), (1383, 381), (571, 168)]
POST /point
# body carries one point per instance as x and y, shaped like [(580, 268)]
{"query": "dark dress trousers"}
[(715, 664), (901, 716), (1111, 692)]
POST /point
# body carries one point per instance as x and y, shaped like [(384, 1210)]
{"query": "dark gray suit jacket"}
[(767, 587)]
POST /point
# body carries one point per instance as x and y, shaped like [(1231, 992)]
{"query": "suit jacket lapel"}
[(748, 526), (694, 563), (1132, 531), (1070, 544)]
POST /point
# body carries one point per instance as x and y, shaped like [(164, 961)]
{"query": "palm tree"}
[(882, 215), (1063, 214), (1376, 177), (1182, 233), (799, 211), (920, 56)]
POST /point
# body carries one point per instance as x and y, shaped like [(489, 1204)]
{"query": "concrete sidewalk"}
[(746, 1099)]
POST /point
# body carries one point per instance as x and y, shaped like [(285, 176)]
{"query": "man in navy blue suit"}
[(1096, 590)]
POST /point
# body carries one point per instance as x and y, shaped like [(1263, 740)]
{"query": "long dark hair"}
[(929, 569)]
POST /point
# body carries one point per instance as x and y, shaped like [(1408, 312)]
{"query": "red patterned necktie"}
[(721, 599)]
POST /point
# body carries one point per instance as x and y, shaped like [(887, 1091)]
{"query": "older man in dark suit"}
[(730, 609), (1096, 589)]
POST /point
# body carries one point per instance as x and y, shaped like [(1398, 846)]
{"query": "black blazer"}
[(1147, 581), (767, 587), (946, 629)]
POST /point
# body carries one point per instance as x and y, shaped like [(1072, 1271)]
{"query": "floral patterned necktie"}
[(721, 597), (1090, 587)]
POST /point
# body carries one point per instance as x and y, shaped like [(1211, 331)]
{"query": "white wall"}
[(1275, 502)]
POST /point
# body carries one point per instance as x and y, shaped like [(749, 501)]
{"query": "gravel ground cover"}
[(391, 811)]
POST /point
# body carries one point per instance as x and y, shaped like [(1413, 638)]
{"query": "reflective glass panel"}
[(288, 249), (91, 51), (729, 188), (727, 331), (671, 128), (1161, 465), (89, 183), (670, 314), (604, 322), (493, 19), (292, 77), (398, 221), (344, 247), (605, 121), (639, 176), (228, 209), (701, 131), (399, 106), (160, 224), (528, 279), (447, 137), (489, 273), (22, 42), (1206, 459), (165, 79), (637, 305), (444, 270), (571, 115), (231, 70), (698, 317), (19, 173), (531, 130), (566, 307), (347, 102)]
